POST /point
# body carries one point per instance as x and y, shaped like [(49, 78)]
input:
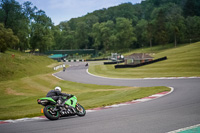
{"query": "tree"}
[(125, 35), (28, 11), (193, 28), (191, 8), (27, 16), (175, 23), (64, 36), (41, 34), (104, 35), (10, 11), (18, 18), (106, 31), (141, 30), (150, 33), (96, 34), (82, 35), (160, 27), (7, 38), (68, 40), (90, 20)]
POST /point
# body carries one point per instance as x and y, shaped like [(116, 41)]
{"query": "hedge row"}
[(141, 64)]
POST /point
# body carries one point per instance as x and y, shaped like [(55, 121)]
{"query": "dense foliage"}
[(31, 27), (127, 26)]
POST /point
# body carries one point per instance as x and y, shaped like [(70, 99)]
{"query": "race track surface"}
[(177, 110)]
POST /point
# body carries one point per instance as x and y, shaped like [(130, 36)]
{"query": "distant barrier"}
[(58, 67), (96, 59), (82, 60), (75, 60), (141, 64)]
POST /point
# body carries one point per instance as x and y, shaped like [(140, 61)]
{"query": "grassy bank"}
[(23, 65), (182, 61)]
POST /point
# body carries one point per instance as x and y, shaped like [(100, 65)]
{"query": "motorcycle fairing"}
[(72, 101)]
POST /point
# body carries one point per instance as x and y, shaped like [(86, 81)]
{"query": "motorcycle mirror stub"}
[(38, 101)]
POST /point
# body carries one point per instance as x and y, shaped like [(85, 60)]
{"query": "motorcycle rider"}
[(57, 95)]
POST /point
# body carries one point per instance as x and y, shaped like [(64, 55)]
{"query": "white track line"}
[(152, 97), (142, 78)]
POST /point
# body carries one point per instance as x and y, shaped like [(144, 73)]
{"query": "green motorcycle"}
[(53, 110)]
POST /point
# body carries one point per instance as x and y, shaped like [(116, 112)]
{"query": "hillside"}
[(122, 27), (182, 61), (18, 96), (22, 65)]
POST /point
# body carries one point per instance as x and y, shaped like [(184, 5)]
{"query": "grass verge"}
[(18, 97), (182, 61)]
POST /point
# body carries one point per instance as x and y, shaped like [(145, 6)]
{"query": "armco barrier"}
[(77, 60), (82, 60), (96, 59), (141, 64)]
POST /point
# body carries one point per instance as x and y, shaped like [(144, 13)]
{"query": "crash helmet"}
[(57, 88)]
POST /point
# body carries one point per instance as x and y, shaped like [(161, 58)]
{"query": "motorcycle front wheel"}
[(80, 111), (50, 113)]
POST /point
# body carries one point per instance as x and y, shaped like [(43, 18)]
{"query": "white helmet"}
[(57, 89)]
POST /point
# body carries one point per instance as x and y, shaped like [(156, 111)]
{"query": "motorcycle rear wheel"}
[(80, 111), (50, 114)]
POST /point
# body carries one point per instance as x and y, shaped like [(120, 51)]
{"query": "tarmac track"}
[(177, 110)]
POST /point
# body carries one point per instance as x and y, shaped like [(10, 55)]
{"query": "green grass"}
[(22, 65), (18, 97), (182, 61), (26, 78), (151, 50)]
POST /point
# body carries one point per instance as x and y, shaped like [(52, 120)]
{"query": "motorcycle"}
[(53, 111)]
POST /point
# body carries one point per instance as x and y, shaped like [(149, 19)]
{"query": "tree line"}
[(24, 27), (127, 26)]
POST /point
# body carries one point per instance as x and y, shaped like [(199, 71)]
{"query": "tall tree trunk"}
[(175, 40), (150, 41)]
